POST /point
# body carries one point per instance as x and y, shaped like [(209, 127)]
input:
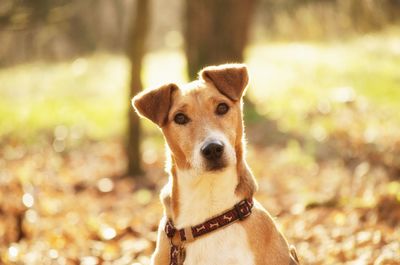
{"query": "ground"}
[(324, 146)]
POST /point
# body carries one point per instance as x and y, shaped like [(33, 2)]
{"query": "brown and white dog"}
[(203, 128)]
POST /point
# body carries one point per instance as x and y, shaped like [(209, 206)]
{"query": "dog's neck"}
[(203, 196)]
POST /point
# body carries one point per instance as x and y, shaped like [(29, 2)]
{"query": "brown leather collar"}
[(177, 237)]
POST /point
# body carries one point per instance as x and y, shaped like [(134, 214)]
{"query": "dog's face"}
[(201, 121), (202, 127)]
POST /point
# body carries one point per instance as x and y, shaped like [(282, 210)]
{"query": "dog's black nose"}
[(212, 150)]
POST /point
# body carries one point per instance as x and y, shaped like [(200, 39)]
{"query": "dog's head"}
[(202, 120)]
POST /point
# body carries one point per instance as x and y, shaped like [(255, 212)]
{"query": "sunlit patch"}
[(89, 260), (77, 132), (79, 66), (107, 233), (28, 200), (13, 253), (319, 133), (362, 169), (31, 216), (61, 132), (150, 156), (340, 218), (297, 208), (324, 107), (173, 39), (139, 245), (105, 185), (155, 63), (143, 196), (343, 94), (53, 254), (142, 260), (59, 145), (371, 134)]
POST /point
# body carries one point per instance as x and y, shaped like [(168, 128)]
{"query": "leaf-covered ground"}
[(73, 208), (325, 149)]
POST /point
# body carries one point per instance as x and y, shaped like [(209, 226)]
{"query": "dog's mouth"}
[(216, 165)]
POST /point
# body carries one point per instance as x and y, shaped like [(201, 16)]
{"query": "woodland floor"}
[(324, 146), (72, 208)]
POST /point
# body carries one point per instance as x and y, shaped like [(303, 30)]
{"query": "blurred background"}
[(80, 175)]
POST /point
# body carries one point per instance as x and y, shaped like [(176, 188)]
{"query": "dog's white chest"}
[(227, 246)]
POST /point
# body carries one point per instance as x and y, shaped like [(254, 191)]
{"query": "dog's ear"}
[(230, 79), (154, 104)]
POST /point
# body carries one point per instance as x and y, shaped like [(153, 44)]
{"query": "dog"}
[(210, 216)]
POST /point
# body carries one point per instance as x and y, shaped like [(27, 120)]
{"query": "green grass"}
[(88, 92), (288, 81)]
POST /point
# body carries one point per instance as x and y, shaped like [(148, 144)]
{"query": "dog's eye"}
[(181, 118), (222, 108)]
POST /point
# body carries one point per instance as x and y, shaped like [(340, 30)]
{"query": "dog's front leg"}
[(162, 253)]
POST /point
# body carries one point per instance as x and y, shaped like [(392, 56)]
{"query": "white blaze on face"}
[(198, 162)]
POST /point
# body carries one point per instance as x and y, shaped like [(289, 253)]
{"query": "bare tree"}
[(216, 31), (136, 51)]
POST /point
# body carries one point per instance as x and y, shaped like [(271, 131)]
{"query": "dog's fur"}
[(194, 192)]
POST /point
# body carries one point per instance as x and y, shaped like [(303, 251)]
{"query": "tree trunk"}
[(216, 32), (136, 51)]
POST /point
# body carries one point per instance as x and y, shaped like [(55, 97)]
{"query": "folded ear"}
[(155, 104), (230, 79)]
